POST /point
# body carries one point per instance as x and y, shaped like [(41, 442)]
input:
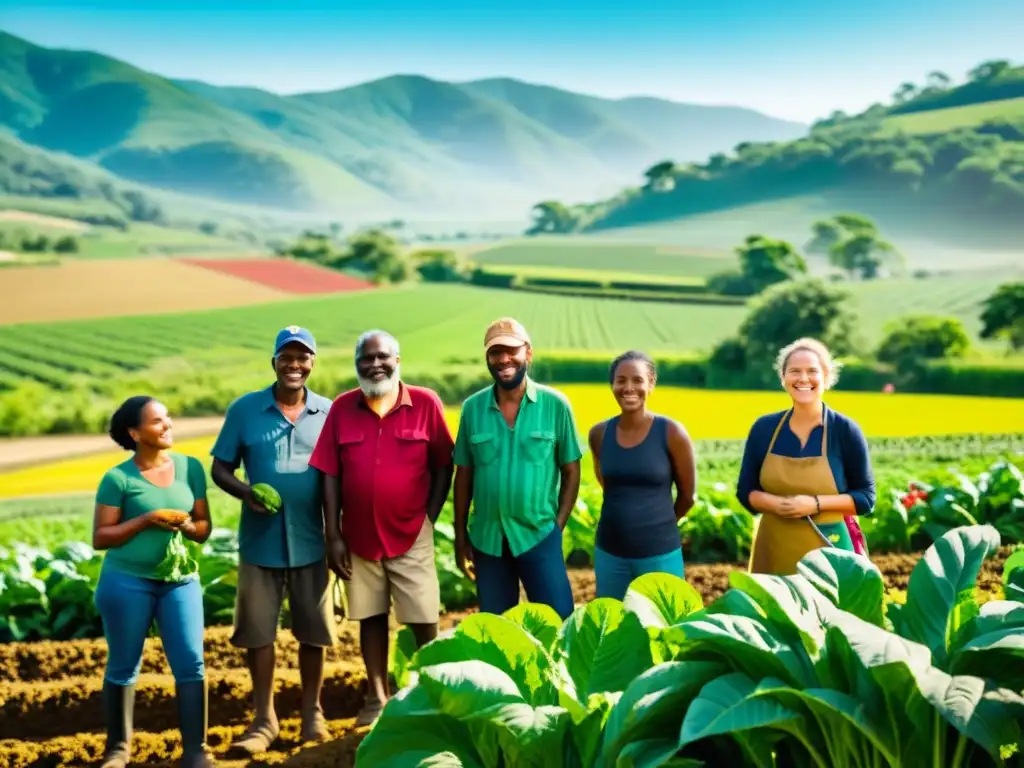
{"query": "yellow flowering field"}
[(707, 414)]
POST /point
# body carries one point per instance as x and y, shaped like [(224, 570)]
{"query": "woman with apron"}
[(806, 470)]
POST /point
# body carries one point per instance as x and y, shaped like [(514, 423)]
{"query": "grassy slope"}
[(406, 135), (929, 238)]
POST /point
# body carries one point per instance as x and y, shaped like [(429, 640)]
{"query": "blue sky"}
[(795, 59)]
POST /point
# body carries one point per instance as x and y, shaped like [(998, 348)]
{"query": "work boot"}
[(119, 712), (192, 719)]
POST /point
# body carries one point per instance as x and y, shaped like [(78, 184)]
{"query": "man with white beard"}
[(386, 457)]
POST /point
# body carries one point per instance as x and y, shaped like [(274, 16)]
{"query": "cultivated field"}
[(40, 220), (594, 253), (84, 289), (706, 414), (287, 276)]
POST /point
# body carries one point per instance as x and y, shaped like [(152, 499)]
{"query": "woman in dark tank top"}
[(638, 457)]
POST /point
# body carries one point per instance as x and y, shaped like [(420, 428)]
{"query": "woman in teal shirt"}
[(144, 506)]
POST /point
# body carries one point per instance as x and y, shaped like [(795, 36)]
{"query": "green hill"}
[(400, 140), (933, 161)]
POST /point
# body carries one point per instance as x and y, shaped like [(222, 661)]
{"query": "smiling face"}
[(507, 365), (377, 367), (155, 427), (293, 365), (631, 385), (804, 376)]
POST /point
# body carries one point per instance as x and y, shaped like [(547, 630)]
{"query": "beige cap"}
[(507, 332)]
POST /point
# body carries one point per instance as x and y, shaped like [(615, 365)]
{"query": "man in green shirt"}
[(517, 458)]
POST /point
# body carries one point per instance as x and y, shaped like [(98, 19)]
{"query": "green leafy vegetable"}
[(268, 497), (178, 563)]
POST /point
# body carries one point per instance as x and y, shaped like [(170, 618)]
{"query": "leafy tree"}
[(1004, 314), (905, 92), (660, 176), (552, 217), (764, 261), (440, 266), (66, 244), (853, 244), (989, 70), (914, 338), (790, 310), (939, 80)]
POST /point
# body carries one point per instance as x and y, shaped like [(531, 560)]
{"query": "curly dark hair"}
[(633, 355), (127, 417)]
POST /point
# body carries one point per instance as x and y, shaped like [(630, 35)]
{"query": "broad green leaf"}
[(850, 581), (1014, 562), (588, 733), (997, 655), (989, 716), (735, 602), (502, 644), (539, 620), (662, 599), (402, 652), (793, 606), (731, 706), (410, 728), (424, 759), (741, 643), (651, 708), (943, 579), (602, 648), (654, 753)]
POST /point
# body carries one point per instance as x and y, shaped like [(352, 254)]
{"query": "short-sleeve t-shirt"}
[(125, 487)]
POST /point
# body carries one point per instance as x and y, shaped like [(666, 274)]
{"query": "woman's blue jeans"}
[(615, 574), (128, 605)]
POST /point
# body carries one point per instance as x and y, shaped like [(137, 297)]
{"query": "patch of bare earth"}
[(119, 287)]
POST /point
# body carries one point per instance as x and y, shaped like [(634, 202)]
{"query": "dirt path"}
[(20, 452)]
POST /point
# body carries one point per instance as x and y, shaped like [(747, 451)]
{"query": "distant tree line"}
[(21, 241)]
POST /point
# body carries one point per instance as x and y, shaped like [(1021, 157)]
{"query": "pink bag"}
[(860, 545)]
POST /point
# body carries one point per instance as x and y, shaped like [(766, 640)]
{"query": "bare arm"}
[(224, 477), (463, 494), (200, 525), (440, 484), (108, 531), (595, 438), (684, 468), (568, 491), (332, 505)]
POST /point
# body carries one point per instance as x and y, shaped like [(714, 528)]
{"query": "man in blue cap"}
[(272, 432)]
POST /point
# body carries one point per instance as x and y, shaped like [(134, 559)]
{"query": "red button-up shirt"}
[(385, 465)]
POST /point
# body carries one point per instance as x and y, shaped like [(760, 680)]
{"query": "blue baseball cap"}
[(295, 333)]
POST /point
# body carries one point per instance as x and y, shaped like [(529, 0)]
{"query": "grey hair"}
[(366, 336)]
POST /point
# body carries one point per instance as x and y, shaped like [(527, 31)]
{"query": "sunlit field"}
[(706, 414)]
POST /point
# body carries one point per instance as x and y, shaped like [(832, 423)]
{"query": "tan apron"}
[(781, 542)]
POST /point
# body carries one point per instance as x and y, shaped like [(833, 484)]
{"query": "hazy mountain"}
[(403, 138)]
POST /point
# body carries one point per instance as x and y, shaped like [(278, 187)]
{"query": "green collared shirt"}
[(516, 475), (274, 450)]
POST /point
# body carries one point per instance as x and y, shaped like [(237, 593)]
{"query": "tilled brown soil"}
[(51, 713)]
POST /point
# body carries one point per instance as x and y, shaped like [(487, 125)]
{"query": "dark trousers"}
[(540, 569)]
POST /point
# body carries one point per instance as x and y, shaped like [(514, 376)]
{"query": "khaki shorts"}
[(261, 593), (410, 580)]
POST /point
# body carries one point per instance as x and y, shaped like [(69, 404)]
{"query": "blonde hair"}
[(830, 366)]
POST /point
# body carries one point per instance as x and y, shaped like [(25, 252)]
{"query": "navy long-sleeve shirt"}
[(847, 456)]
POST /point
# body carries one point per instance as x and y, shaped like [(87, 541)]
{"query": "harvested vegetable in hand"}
[(174, 516), (178, 563), (268, 497)]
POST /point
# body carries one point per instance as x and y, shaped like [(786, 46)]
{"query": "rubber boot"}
[(119, 713), (192, 719)]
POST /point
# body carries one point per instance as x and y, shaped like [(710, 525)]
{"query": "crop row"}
[(815, 669)]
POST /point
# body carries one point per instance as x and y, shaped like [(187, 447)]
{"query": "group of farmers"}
[(354, 486)]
